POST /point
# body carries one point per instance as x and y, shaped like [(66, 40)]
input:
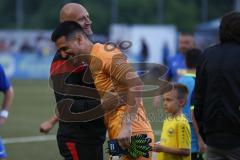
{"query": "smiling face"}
[(83, 19), (76, 12), (67, 50), (62, 47), (72, 46)]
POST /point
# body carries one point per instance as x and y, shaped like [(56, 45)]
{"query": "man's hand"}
[(139, 147), (201, 145), (158, 148), (46, 126), (2, 120), (124, 137)]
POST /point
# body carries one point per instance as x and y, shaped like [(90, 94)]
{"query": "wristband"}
[(4, 113)]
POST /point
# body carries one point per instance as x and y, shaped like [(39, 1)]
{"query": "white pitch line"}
[(29, 139), (41, 138)]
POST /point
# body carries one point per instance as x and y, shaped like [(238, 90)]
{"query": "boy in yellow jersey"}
[(114, 78), (175, 143)]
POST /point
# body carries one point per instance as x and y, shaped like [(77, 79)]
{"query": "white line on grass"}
[(41, 138), (29, 139)]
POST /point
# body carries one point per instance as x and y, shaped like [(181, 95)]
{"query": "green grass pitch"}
[(34, 103)]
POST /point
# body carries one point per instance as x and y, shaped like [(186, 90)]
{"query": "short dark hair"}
[(182, 91), (191, 57), (67, 29), (186, 34), (230, 27)]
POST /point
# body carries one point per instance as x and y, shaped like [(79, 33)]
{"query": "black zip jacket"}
[(90, 132), (217, 95)]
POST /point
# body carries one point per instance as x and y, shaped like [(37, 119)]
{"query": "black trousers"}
[(76, 151)]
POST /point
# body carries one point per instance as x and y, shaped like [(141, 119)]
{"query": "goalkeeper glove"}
[(139, 146)]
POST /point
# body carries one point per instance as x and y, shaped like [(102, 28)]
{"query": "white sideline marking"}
[(29, 139), (41, 138)]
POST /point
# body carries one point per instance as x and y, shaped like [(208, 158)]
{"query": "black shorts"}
[(77, 151)]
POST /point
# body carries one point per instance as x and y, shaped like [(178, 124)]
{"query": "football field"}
[(34, 102)]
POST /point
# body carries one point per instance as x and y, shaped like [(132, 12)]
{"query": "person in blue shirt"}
[(188, 78), (7, 90), (176, 63)]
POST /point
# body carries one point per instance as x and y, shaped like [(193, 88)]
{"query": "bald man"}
[(76, 140), (76, 12)]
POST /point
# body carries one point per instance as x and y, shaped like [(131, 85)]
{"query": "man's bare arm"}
[(174, 151), (46, 126)]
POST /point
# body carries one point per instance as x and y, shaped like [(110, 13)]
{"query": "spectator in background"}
[(26, 47), (144, 50), (188, 79), (165, 52), (217, 92), (144, 54), (177, 62), (44, 46), (12, 46), (3, 45)]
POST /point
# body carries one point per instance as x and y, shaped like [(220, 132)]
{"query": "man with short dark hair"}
[(217, 98), (188, 78), (176, 63), (114, 78)]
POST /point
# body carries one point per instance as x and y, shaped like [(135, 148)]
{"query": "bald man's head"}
[(76, 12)]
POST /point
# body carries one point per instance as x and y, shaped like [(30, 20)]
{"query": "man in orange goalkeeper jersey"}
[(113, 77)]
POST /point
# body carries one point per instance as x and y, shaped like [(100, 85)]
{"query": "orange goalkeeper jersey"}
[(109, 70)]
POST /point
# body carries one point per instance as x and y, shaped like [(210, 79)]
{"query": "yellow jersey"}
[(175, 134)]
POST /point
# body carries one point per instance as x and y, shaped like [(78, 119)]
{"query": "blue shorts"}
[(194, 140), (3, 153)]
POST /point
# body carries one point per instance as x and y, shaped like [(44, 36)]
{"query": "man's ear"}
[(79, 37)]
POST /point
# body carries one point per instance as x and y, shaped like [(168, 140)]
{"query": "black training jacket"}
[(65, 78), (217, 95)]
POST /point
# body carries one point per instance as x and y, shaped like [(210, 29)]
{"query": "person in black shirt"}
[(217, 92), (76, 140)]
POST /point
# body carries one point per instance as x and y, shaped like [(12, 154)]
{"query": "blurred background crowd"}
[(26, 24), (152, 28)]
